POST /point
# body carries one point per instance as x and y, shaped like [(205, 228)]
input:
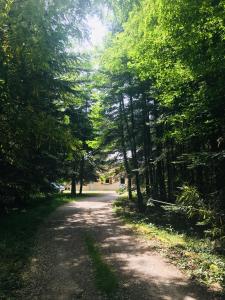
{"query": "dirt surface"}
[(61, 267)]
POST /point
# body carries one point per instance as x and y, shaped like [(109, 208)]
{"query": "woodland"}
[(152, 99)]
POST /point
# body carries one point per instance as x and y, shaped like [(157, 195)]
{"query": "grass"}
[(105, 277), (17, 238), (191, 253)]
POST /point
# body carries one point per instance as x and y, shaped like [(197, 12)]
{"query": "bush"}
[(194, 206), (122, 189)]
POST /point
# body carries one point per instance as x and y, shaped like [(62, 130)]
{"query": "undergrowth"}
[(192, 253)]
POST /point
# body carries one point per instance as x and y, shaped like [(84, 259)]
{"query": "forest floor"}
[(84, 251)]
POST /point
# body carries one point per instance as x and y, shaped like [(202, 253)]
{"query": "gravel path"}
[(61, 268)]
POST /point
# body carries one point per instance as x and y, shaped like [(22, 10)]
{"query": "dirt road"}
[(61, 267)]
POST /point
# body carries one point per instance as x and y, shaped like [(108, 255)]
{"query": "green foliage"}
[(169, 58), (122, 189), (41, 81), (190, 199), (181, 50), (207, 214)]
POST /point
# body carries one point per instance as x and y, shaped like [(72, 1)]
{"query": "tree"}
[(34, 92), (167, 64)]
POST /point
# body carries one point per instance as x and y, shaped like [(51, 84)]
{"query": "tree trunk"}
[(81, 175), (161, 180), (135, 161), (169, 176), (73, 186), (129, 187), (124, 150), (146, 143)]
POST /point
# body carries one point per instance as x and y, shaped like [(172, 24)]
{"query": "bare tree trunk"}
[(73, 186), (135, 161), (132, 141), (169, 175), (124, 150), (146, 143), (161, 180), (129, 187), (81, 175)]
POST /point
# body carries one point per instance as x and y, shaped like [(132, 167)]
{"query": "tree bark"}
[(146, 144), (73, 186), (81, 175), (129, 187), (135, 160), (124, 150)]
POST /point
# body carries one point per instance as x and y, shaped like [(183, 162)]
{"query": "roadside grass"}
[(17, 238), (105, 278), (192, 254)]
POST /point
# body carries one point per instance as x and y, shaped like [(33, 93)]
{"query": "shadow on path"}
[(61, 268)]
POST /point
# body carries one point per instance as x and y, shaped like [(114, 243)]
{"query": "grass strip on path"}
[(195, 256), (17, 238), (105, 277)]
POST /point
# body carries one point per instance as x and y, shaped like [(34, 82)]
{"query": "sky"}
[(97, 31)]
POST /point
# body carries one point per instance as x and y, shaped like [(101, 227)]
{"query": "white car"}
[(57, 187)]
